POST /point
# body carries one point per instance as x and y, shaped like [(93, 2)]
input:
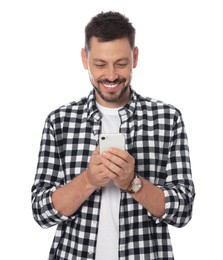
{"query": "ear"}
[(135, 56), (84, 58)]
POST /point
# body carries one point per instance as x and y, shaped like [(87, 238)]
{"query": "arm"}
[(178, 187), (119, 166), (178, 191), (173, 201), (49, 177), (54, 200), (70, 197), (151, 197)]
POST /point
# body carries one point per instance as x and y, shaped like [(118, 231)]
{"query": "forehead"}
[(114, 48)]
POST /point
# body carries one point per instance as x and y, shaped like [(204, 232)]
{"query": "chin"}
[(112, 96)]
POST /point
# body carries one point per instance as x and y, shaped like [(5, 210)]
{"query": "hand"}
[(119, 166), (94, 173)]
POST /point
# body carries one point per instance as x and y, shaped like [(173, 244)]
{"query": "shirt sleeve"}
[(49, 177), (178, 189)]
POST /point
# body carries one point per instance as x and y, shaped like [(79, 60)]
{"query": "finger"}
[(113, 158), (119, 153), (96, 151), (112, 167), (110, 174), (95, 157)]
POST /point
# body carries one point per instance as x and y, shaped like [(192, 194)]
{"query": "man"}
[(116, 204)]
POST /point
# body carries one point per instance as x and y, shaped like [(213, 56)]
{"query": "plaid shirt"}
[(155, 137)]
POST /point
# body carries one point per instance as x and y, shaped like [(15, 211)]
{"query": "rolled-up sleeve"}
[(178, 189), (43, 211), (49, 177)]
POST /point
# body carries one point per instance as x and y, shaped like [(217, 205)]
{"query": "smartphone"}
[(111, 140)]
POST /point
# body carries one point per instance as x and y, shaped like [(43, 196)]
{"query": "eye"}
[(121, 65), (100, 65)]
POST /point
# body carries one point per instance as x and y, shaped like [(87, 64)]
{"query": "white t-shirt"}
[(108, 232)]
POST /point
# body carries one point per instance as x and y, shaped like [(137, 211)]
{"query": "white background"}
[(180, 62)]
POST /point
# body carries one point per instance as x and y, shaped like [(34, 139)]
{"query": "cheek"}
[(91, 74), (127, 74), (96, 75)]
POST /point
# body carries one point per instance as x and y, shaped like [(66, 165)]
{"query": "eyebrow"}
[(121, 59)]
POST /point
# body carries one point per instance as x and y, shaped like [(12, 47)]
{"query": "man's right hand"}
[(94, 173)]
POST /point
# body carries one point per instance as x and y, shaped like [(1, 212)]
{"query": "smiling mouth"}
[(110, 85), (113, 84)]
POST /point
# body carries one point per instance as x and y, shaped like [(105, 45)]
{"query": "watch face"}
[(136, 184)]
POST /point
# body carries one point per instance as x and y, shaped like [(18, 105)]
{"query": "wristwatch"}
[(135, 185)]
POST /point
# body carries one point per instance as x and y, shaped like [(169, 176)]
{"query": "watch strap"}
[(130, 188)]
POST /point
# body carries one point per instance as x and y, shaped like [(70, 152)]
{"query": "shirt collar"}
[(92, 110), (125, 112), (128, 110)]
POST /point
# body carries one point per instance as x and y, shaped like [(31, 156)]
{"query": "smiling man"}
[(110, 67), (116, 204)]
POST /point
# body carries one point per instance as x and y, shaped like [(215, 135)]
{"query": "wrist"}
[(88, 184), (135, 185)]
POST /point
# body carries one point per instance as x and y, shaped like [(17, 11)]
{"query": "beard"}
[(112, 97)]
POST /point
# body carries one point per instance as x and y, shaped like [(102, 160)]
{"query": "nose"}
[(111, 73)]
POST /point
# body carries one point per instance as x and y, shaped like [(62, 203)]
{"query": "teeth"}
[(110, 85)]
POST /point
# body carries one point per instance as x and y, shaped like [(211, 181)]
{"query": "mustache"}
[(116, 81)]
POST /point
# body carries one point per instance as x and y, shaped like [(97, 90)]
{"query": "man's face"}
[(110, 66)]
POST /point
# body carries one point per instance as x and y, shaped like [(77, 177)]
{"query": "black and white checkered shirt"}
[(155, 137)]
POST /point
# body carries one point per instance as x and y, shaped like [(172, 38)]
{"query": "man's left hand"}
[(119, 166)]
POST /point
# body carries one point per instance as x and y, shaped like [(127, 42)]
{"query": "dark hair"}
[(109, 26)]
